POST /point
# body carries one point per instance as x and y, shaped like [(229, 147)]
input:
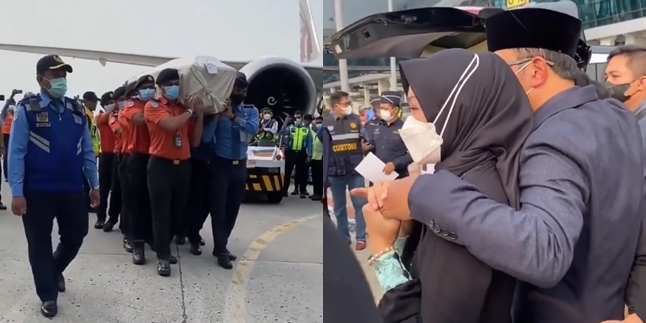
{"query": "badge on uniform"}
[(353, 125), (77, 119), (42, 120), (330, 128), (178, 140)]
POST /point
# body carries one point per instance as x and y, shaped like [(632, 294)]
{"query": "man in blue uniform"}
[(49, 152), (343, 150), (233, 130)]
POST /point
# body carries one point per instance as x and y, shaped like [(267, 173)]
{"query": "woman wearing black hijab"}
[(483, 117)]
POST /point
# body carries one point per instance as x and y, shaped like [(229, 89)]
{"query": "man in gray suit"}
[(573, 240), (626, 82)]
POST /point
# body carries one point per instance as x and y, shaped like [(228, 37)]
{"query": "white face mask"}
[(266, 116), (519, 70), (421, 138), (347, 110), (385, 115), (109, 107)]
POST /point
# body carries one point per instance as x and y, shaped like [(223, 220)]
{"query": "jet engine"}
[(280, 84)]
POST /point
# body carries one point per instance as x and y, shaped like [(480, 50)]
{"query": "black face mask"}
[(618, 91), (236, 99)]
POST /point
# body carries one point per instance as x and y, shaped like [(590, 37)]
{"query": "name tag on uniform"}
[(178, 140), (243, 136), (42, 120), (77, 119)]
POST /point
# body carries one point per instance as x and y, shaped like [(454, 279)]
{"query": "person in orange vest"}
[(7, 119)]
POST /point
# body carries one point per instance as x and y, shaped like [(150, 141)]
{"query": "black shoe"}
[(2, 206), (172, 259), (92, 209), (202, 243), (285, 194), (231, 256), (127, 246), (60, 283), (138, 254), (99, 224), (108, 226), (163, 267), (224, 261), (316, 197), (180, 240), (295, 193), (49, 309), (304, 195), (195, 249)]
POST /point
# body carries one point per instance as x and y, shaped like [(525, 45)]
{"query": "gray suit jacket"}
[(574, 239)]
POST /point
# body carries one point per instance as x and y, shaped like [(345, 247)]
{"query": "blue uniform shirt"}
[(22, 134), (232, 139), (204, 151)]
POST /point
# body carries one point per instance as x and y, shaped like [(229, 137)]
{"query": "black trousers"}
[(168, 186), (317, 177), (298, 160), (228, 180), (5, 140), (126, 196), (141, 221), (198, 200), (70, 212), (110, 189)]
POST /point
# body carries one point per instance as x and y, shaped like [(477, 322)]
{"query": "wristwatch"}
[(95, 188)]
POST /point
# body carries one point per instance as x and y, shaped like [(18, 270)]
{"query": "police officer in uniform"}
[(383, 136), (343, 151), (232, 132), (298, 153), (268, 129), (50, 151)]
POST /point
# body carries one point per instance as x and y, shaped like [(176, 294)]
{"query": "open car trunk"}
[(413, 33)]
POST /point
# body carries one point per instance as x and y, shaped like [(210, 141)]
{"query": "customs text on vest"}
[(346, 151), (54, 160)]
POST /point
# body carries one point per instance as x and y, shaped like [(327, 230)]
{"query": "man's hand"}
[(95, 198), (228, 111), (632, 318), (197, 105), (14, 92), (383, 232), (389, 168), (366, 146), (288, 121), (19, 206)]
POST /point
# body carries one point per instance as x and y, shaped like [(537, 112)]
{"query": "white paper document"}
[(372, 169)]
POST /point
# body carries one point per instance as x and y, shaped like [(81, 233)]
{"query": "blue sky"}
[(227, 29)]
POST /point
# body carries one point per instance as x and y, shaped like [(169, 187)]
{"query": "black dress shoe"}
[(304, 196), (316, 197), (108, 226), (138, 254), (231, 256), (99, 224), (163, 267), (60, 283), (295, 193), (172, 260), (180, 240), (49, 309), (2, 206), (195, 249), (224, 261), (202, 243), (127, 246)]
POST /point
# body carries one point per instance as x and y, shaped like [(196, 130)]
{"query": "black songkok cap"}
[(169, 74), (119, 92), (106, 97), (391, 97), (533, 28), (137, 84)]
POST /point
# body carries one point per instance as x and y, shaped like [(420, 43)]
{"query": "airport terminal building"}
[(606, 23)]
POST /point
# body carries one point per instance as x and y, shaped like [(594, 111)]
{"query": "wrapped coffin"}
[(201, 76)]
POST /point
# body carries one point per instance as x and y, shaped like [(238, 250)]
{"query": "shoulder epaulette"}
[(31, 104)]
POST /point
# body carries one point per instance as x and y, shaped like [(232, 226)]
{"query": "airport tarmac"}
[(277, 278)]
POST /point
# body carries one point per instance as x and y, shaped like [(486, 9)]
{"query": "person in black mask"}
[(626, 80)]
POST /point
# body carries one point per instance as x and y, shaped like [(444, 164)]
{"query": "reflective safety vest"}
[(54, 161), (94, 131), (317, 149), (298, 136)]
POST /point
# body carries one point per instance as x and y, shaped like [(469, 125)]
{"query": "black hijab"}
[(491, 115)]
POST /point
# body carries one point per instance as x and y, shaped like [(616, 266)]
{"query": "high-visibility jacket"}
[(298, 136), (94, 131), (317, 148)]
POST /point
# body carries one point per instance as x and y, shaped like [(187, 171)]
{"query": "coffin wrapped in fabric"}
[(201, 76)]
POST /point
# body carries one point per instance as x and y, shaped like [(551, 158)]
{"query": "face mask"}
[(109, 107), (298, 122), (122, 105), (266, 116), (421, 138), (618, 91), (385, 115), (237, 99), (171, 92), (58, 87), (347, 110), (519, 70), (146, 94)]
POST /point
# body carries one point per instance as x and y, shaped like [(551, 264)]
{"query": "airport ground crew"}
[(298, 153), (343, 150), (198, 200), (110, 187), (50, 152), (169, 168), (267, 134), (317, 162), (139, 93), (7, 119), (232, 132), (90, 101)]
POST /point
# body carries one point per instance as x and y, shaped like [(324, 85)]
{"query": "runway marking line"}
[(234, 307)]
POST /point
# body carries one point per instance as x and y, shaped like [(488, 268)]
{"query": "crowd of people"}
[(535, 210)]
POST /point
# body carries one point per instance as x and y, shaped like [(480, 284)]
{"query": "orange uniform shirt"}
[(6, 123), (116, 129), (162, 142), (138, 137), (107, 136), (126, 147)]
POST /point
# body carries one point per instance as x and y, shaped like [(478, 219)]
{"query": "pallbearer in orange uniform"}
[(109, 184), (140, 92), (121, 143), (7, 120)]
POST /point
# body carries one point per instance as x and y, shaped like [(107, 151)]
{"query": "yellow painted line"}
[(235, 306)]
